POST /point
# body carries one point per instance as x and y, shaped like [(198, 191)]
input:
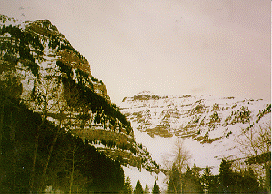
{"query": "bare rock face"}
[(205, 118), (71, 59), (67, 56), (42, 27)]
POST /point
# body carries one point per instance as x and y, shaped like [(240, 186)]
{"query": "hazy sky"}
[(216, 47)]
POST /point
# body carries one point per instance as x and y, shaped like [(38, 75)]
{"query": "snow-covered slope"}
[(210, 127), (55, 80)]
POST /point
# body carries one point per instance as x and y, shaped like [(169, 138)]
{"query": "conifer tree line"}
[(234, 176), (228, 181), (139, 188), (197, 180)]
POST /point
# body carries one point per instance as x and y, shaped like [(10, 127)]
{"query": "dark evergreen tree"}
[(146, 191), (205, 179), (138, 188), (127, 189), (225, 176), (156, 189), (210, 182), (243, 181), (191, 183), (175, 178), (246, 181), (265, 158)]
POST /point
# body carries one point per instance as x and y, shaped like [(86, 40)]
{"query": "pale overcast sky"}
[(211, 47)]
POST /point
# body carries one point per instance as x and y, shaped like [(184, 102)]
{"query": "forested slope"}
[(51, 107), (74, 165)]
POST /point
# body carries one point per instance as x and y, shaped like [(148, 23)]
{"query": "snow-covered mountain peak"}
[(208, 125), (190, 115)]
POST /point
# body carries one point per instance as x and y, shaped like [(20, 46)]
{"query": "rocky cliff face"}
[(56, 47), (204, 118), (54, 79), (211, 128)]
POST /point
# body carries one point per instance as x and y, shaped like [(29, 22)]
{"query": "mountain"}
[(41, 69), (42, 73), (211, 128), (199, 117)]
